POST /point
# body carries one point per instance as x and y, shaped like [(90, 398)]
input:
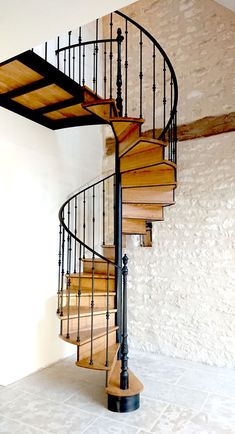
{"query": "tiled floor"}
[(179, 397)]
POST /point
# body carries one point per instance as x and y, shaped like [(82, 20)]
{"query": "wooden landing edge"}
[(135, 386)]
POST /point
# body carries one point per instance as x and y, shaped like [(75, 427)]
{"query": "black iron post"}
[(119, 71), (124, 376), (118, 242)]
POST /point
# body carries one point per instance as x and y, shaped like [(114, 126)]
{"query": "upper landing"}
[(35, 89)]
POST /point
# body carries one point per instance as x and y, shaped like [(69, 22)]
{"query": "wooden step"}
[(85, 311), (141, 156), (100, 298), (99, 321), (127, 131), (135, 386), (99, 359), (98, 345), (142, 143), (142, 211), (100, 281), (109, 251), (85, 335), (163, 194), (100, 266), (133, 226), (105, 108), (160, 174)]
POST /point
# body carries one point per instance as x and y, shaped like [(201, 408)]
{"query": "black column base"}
[(123, 404)]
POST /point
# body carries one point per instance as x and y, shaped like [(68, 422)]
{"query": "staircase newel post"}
[(119, 100), (124, 376)]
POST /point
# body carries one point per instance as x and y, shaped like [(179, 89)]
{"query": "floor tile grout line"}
[(62, 403), (204, 403), (26, 424), (159, 417)]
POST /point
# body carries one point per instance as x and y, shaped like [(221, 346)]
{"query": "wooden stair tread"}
[(141, 158), (161, 194), (135, 386), (89, 276), (88, 292), (131, 226), (84, 311), (99, 359), (142, 143), (162, 165), (104, 108), (85, 335), (142, 211), (157, 174)]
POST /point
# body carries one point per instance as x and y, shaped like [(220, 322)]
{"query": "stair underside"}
[(35, 89)]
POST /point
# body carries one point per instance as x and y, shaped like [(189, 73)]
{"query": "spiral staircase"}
[(92, 281)]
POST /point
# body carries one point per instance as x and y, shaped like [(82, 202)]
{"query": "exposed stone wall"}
[(199, 38), (181, 291)]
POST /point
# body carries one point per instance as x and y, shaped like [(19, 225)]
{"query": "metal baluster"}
[(68, 271), (59, 268), (64, 61), (141, 74), (58, 54), (75, 233), (45, 50), (69, 33), (105, 70), (154, 90), (103, 212), (111, 58), (79, 56), (96, 55), (107, 320), (62, 270), (94, 80), (175, 137), (74, 58), (119, 71), (124, 376), (93, 273), (164, 96), (83, 65), (171, 126), (79, 292), (84, 222), (126, 66)]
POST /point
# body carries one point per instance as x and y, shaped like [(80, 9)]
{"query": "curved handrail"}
[(173, 111), (61, 219)]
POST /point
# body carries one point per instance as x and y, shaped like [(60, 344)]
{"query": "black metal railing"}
[(119, 59)]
